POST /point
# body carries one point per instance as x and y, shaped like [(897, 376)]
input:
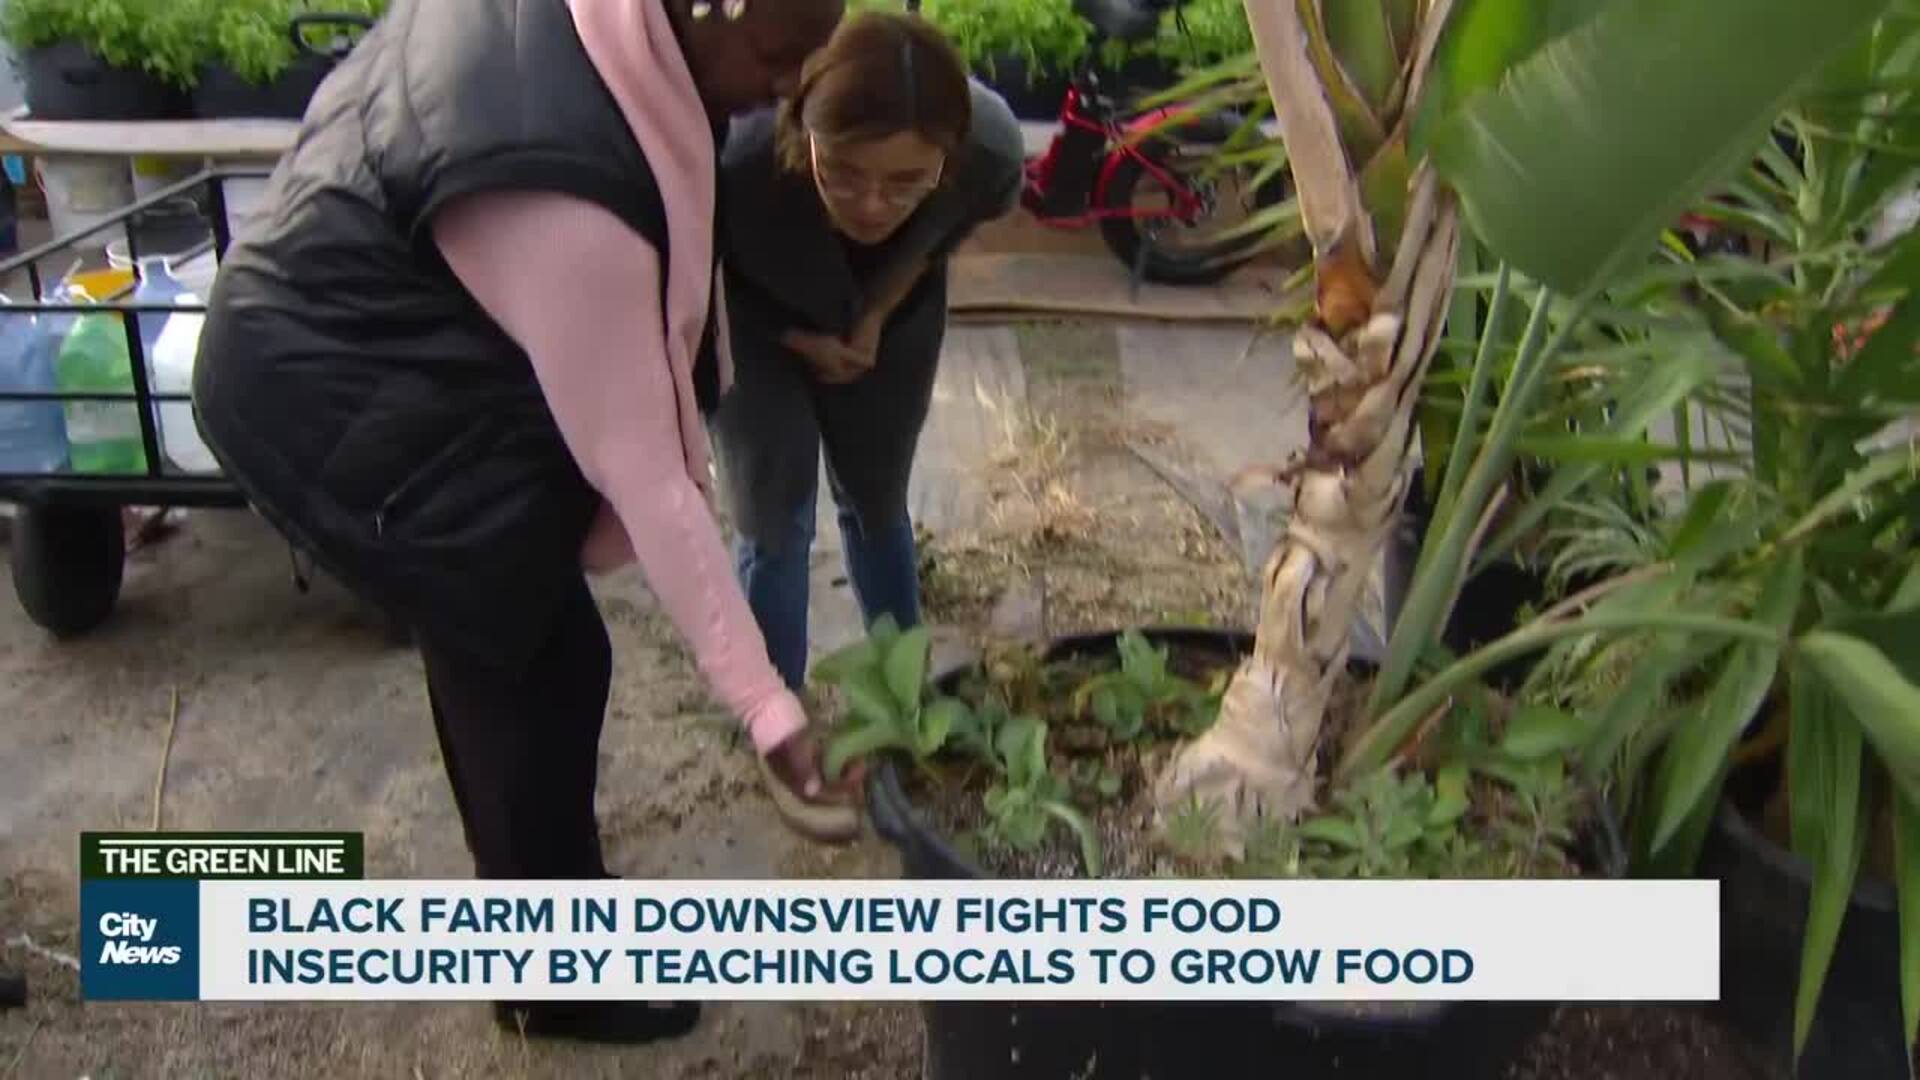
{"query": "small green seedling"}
[(1095, 779), (1144, 690), (1028, 795), (884, 680)]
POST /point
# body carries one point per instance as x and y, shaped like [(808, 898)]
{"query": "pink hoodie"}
[(579, 290)]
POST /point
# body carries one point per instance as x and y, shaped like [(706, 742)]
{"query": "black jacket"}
[(347, 382)]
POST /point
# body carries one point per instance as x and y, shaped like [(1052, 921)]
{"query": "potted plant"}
[(1038, 764), (1791, 770), (1025, 49), (1401, 130), (96, 59), (269, 56)]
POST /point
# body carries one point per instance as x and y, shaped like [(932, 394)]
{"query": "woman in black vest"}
[(458, 354), (841, 211)]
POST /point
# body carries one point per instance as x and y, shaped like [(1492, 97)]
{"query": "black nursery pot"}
[(1031, 95), (221, 94), (1490, 603), (68, 81), (1212, 1040), (1764, 895)]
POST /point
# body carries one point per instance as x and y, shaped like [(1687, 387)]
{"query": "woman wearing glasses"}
[(840, 211)]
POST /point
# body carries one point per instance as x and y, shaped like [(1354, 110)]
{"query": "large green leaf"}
[(1811, 747), (906, 667), (1483, 39), (1600, 139), (1895, 633), (938, 722), (1362, 42), (1701, 747), (859, 742), (1828, 816), (1886, 705), (867, 695), (843, 662), (1680, 856), (1906, 877)]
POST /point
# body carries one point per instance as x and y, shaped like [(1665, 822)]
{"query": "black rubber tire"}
[(67, 565), (1124, 236)]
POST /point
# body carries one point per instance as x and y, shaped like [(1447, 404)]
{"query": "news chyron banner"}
[(140, 892), (291, 917)]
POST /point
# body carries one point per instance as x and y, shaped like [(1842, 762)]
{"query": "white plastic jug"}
[(172, 342), (173, 358)]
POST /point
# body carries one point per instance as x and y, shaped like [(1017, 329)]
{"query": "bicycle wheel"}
[(1199, 250)]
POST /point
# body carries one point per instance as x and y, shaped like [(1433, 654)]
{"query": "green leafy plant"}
[(1144, 693), (1027, 797), (253, 38), (177, 40), (32, 24), (115, 30), (1202, 33), (1192, 831), (1046, 34), (884, 680)]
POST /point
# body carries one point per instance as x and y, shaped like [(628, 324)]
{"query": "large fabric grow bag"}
[(68, 81), (1764, 894), (1216, 1040)]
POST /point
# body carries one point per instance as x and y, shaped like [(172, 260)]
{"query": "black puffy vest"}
[(361, 399)]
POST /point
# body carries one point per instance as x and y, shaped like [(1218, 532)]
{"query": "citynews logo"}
[(129, 941)]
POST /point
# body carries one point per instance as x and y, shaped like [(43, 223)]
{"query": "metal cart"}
[(68, 546)]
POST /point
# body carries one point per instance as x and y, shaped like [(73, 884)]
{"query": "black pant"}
[(522, 747)]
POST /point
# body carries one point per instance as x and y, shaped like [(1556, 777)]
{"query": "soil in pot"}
[(1765, 892), (68, 81), (952, 818)]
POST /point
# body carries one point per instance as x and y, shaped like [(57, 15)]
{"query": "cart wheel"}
[(67, 564)]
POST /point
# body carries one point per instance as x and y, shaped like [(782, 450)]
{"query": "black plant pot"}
[(68, 81), (1214, 1040), (1031, 95), (1764, 894), (1490, 604), (221, 94)]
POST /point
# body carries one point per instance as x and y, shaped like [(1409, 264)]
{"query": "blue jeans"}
[(882, 563)]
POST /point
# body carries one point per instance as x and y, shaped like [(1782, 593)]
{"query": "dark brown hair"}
[(882, 73)]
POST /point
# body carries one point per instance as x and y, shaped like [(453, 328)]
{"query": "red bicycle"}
[(1147, 177)]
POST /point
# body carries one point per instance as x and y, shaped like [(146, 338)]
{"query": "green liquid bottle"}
[(103, 436)]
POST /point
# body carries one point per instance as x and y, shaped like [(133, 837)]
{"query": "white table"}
[(223, 140)]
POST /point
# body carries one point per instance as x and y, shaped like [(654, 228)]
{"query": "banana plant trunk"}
[(1377, 319)]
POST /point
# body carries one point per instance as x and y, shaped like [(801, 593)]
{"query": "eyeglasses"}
[(894, 193)]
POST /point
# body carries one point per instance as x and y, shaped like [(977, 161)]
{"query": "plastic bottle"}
[(173, 356), (33, 434), (102, 436), (171, 343)]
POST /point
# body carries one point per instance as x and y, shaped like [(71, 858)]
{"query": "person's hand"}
[(833, 360), (820, 809)]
